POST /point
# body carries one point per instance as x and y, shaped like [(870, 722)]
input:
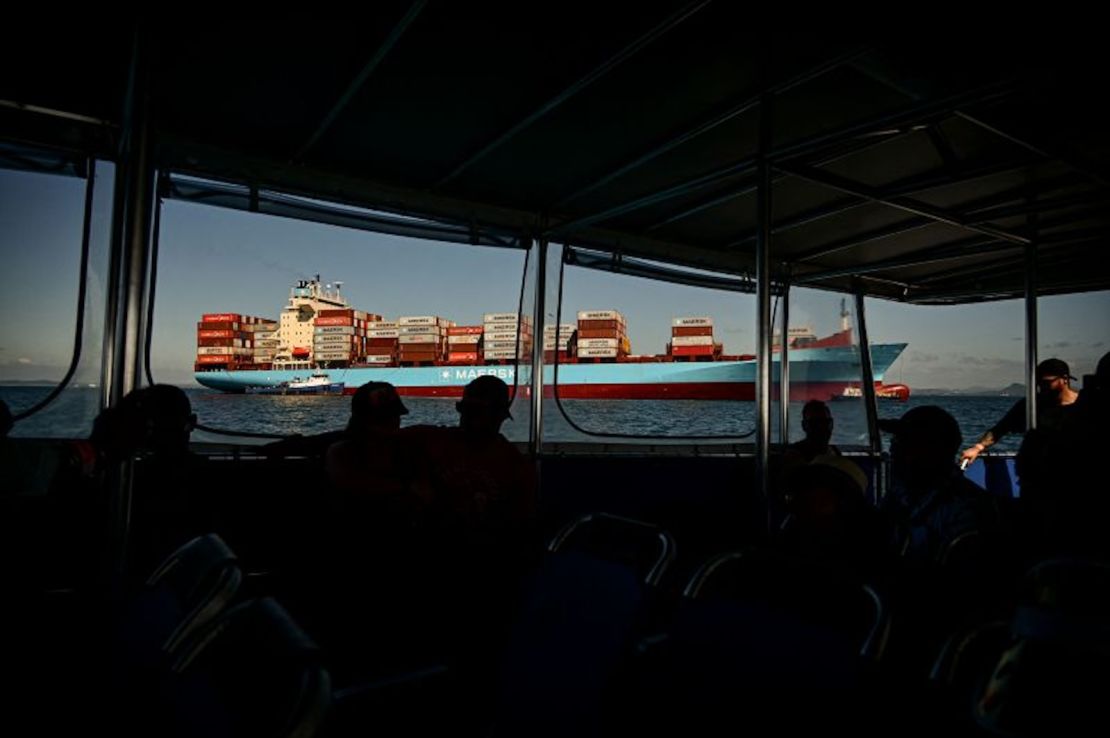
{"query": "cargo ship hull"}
[(815, 373)]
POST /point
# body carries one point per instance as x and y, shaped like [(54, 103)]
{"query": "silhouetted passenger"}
[(6, 420), (817, 422), (1056, 407), (369, 458), (829, 519), (931, 502)]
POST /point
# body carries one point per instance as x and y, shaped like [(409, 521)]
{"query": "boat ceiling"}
[(915, 167)]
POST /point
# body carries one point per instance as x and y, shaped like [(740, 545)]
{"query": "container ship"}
[(318, 332)]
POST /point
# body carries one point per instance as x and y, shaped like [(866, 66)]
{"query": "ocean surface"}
[(71, 415)]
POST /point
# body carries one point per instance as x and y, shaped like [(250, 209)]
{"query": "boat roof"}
[(916, 168)]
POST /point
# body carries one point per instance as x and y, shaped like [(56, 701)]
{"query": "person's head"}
[(376, 406), (817, 422), (924, 446), (169, 419), (1053, 377), (484, 406), (823, 498), (6, 420)]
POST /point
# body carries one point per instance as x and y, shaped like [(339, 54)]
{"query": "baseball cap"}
[(489, 390), (1054, 368), (927, 421), (376, 398)]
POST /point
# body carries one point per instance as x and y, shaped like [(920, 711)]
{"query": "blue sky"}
[(214, 260)]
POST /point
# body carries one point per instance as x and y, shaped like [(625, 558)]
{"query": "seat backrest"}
[(644, 548), (250, 672)]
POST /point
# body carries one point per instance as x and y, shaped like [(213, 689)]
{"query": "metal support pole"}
[(536, 432), (868, 377), (763, 307), (784, 366), (1031, 336)]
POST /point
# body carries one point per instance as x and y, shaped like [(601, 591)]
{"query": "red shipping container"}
[(336, 313), (214, 359), (379, 351), (222, 318), (434, 347), (699, 330), (382, 342), (599, 333), (603, 325), (465, 330), (336, 320), (462, 356), (693, 350), (218, 325), (216, 334), (212, 342), (419, 356)]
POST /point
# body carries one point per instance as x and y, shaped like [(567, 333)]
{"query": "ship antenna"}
[(844, 315)]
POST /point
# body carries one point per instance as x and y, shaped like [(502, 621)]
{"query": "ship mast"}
[(845, 324)]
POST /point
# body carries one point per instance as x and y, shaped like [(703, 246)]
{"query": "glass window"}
[(41, 226), (248, 303), (1075, 328)]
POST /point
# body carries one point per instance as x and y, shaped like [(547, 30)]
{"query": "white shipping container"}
[(464, 340), (373, 359), (343, 330), (408, 330), (526, 346), (499, 317), (383, 333), (417, 320), (691, 340), (600, 315), (333, 356), (221, 351), (381, 324), (691, 322), (501, 336), (601, 343), (597, 353), (421, 338), (502, 354)]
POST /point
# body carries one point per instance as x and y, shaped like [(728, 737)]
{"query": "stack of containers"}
[(223, 341), (602, 334), (556, 338), (463, 343), (692, 338), (499, 338), (265, 335), (381, 343), (421, 339), (340, 335)]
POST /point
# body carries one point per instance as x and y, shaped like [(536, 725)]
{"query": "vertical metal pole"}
[(868, 377), (536, 433), (1031, 334), (763, 305), (784, 366), (111, 297), (132, 214)]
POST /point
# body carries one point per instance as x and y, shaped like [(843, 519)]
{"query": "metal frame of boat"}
[(940, 168)]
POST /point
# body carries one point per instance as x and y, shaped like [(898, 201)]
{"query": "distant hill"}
[(1014, 390)]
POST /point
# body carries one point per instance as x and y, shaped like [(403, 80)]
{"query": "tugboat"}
[(317, 384)]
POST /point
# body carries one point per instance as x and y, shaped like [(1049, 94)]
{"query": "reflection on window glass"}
[(1075, 329), (41, 221), (643, 357), (268, 321), (967, 359)]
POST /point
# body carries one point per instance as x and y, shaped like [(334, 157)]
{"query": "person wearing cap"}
[(1056, 405), (931, 502), (367, 455)]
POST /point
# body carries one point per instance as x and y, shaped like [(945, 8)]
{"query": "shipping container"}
[(382, 359), (383, 333), (692, 331), (600, 325), (500, 336), (419, 356), (215, 334), (598, 353), (381, 324), (218, 325), (412, 330), (500, 317), (505, 345), (224, 359), (600, 315), (427, 346), (612, 343), (677, 341), (338, 320), (382, 342), (692, 322), (222, 351), (421, 338), (472, 340), (459, 356), (503, 354), (418, 320), (333, 356), (338, 329), (465, 330), (221, 317), (586, 335)]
